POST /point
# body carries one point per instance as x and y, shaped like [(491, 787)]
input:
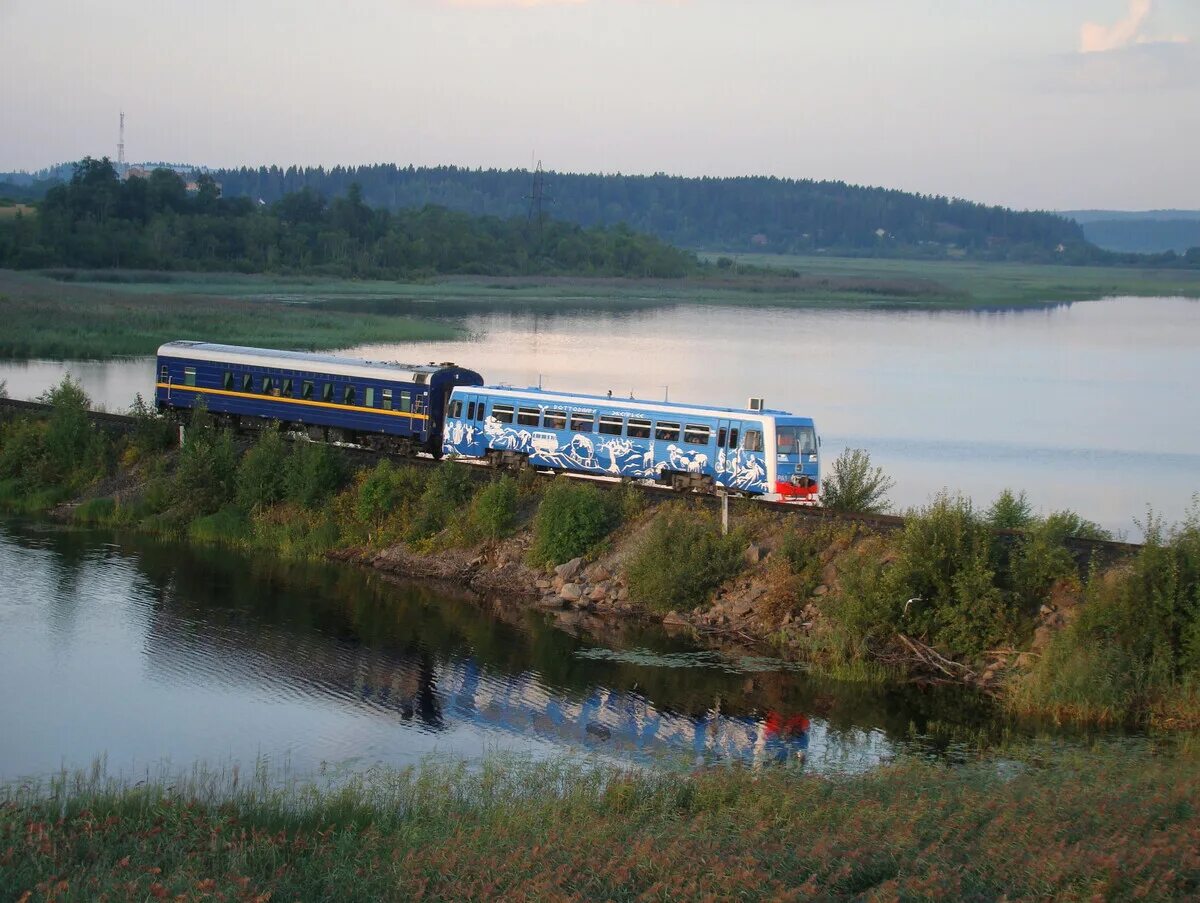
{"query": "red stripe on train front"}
[(797, 492)]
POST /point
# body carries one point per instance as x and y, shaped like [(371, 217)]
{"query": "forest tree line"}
[(734, 214), (96, 219)]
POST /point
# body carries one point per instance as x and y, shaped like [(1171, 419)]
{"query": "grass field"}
[(109, 313), (988, 284), (1114, 822), (45, 318), (775, 280), (11, 209)]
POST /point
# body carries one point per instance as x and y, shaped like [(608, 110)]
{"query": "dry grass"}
[(1115, 822)]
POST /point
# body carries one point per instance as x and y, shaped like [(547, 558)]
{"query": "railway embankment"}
[(1048, 621)]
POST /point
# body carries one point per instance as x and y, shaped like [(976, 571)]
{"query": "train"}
[(443, 410)]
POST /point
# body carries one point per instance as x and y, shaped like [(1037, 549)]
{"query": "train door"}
[(473, 414), (728, 436)]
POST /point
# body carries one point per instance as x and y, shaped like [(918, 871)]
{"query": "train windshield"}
[(796, 440)]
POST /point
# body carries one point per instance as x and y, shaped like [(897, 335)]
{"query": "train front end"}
[(797, 459)]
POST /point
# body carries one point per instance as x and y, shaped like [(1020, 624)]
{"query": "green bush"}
[(312, 474), (1134, 643), (493, 511), (261, 475), (152, 432), (1069, 524), (74, 453), (939, 584), (865, 613), (388, 492), (447, 492), (682, 558), (854, 485), (572, 519), (1010, 511), (225, 527), (205, 473), (22, 447), (291, 531), (95, 511)]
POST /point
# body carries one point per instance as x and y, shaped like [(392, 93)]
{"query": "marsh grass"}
[(44, 318), (1111, 821)]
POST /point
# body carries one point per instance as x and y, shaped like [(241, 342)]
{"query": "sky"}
[(1045, 104)]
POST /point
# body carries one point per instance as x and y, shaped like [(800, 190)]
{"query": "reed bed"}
[(1116, 821)]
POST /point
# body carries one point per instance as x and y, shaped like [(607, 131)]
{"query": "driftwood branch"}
[(931, 658)]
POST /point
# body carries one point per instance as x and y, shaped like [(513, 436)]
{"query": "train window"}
[(456, 408), (287, 387), (792, 440), (227, 381), (696, 435), (721, 434), (369, 396), (528, 416), (348, 395), (479, 410), (267, 385), (470, 410), (386, 399), (638, 428), (668, 432), (327, 392), (406, 401), (610, 426), (555, 420), (733, 437), (247, 382), (162, 374), (306, 389), (189, 376), (582, 423), (753, 441), (503, 412)]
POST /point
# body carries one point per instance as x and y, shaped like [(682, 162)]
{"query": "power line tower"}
[(537, 197), (121, 147)]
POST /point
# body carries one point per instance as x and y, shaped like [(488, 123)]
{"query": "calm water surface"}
[(148, 652), (1090, 406)]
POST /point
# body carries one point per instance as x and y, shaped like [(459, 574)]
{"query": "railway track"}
[(1084, 550)]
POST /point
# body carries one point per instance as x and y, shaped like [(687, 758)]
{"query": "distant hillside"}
[(750, 213), (1141, 232)]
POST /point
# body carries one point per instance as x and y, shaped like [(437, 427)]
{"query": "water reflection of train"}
[(439, 693)]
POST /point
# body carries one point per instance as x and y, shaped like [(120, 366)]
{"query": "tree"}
[(854, 485)]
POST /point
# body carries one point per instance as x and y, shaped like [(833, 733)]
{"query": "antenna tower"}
[(121, 146), (537, 197)]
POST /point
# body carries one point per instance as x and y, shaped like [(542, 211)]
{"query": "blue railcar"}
[(758, 452), (395, 407)]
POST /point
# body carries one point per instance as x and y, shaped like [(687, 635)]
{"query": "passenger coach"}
[(393, 407), (756, 451)]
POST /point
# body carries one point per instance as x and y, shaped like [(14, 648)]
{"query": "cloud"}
[(1095, 38)]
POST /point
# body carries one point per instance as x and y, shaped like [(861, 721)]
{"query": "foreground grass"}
[(45, 318), (1116, 822)]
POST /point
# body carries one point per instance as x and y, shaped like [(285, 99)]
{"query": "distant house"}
[(759, 239)]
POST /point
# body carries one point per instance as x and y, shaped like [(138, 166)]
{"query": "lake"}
[(149, 653), (1089, 406)]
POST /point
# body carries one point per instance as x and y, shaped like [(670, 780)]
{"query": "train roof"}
[(325, 363), (638, 404)]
